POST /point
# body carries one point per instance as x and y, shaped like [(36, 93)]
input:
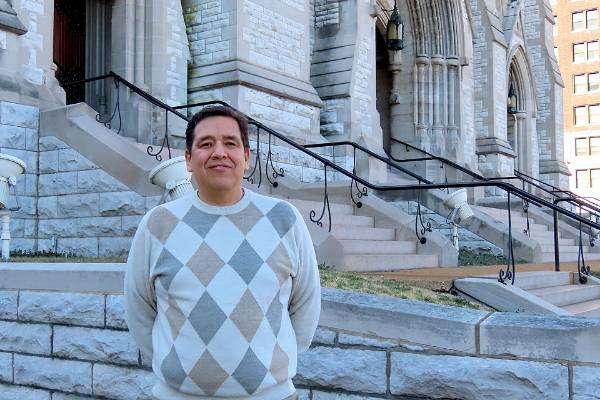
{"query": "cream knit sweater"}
[(223, 298)]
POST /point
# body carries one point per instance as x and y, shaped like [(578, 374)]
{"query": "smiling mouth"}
[(219, 167)]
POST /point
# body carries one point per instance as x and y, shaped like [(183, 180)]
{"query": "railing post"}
[(556, 250)]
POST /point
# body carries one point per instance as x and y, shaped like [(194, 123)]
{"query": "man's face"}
[(218, 160)]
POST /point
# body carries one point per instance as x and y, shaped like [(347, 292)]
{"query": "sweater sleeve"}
[(305, 302), (140, 299)]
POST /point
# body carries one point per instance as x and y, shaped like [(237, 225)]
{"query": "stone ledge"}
[(429, 324), (66, 277), (541, 337)]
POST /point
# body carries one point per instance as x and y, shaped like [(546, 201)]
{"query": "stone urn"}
[(172, 175), (10, 168)]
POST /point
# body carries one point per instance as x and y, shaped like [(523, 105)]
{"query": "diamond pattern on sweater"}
[(200, 221), (171, 368), (246, 220), (274, 315), (205, 264), (282, 217), (161, 223), (279, 263), (225, 294), (208, 374), (175, 317), (247, 315), (207, 317), (167, 267), (279, 364), (246, 261), (224, 238), (250, 373), (228, 346)]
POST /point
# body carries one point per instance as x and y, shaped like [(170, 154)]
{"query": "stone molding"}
[(9, 21)]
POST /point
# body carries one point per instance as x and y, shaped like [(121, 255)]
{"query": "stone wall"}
[(19, 138), (81, 209), (206, 22), (327, 12), (60, 345)]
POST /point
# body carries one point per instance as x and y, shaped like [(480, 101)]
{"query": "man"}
[(222, 286)]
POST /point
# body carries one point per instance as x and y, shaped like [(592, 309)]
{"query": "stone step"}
[(362, 233), (353, 221), (549, 240), (542, 279), (585, 309), (378, 247), (567, 294), (387, 262), (305, 206), (568, 257), (549, 248)]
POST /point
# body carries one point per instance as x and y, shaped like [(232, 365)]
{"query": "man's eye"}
[(205, 145)]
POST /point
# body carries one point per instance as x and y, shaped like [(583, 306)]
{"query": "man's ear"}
[(247, 158), (188, 158)]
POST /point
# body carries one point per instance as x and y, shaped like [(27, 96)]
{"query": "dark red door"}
[(69, 46)]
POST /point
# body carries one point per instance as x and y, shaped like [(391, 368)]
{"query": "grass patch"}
[(468, 257), (390, 287), (49, 257)]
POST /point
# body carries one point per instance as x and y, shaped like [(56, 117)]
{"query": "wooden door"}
[(69, 46)]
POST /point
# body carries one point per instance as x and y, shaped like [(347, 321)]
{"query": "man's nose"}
[(219, 150)]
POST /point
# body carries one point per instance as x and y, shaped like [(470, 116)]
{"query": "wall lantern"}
[(395, 30), (512, 101)]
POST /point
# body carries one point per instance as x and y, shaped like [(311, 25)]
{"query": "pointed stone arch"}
[(425, 99), (521, 130)]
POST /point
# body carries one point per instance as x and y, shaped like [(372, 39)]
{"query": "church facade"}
[(315, 70)]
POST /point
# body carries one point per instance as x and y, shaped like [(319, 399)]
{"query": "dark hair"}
[(216, 111)]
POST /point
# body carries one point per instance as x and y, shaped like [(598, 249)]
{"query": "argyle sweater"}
[(222, 299)]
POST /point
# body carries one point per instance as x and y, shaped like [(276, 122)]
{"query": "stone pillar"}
[(421, 86), (254, 54)]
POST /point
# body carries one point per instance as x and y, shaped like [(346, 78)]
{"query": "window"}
[(579, 53), (579, 84), (594, 82), (593, 51), (582, 178), (595, 114), (578, 19), (592, 19), (581, 147), (595, 146), (595, 178), (581, 115)]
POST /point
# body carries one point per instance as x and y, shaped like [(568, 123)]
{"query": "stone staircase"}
[(375, 238), (563, 290), (366, 246), (541, 233)]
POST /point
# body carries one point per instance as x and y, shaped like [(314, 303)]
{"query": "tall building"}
[(577, 41)]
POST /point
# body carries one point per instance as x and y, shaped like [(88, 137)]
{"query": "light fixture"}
[(512, 100), (461, 211), (172, 176), (457, 201), (395, 30)]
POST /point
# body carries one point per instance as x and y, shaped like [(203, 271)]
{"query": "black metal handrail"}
[(423, 184), (433, 157)]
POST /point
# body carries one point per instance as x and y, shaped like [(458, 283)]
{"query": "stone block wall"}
[(81, 209), (19, 138), (61, 345), (207, 22)]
